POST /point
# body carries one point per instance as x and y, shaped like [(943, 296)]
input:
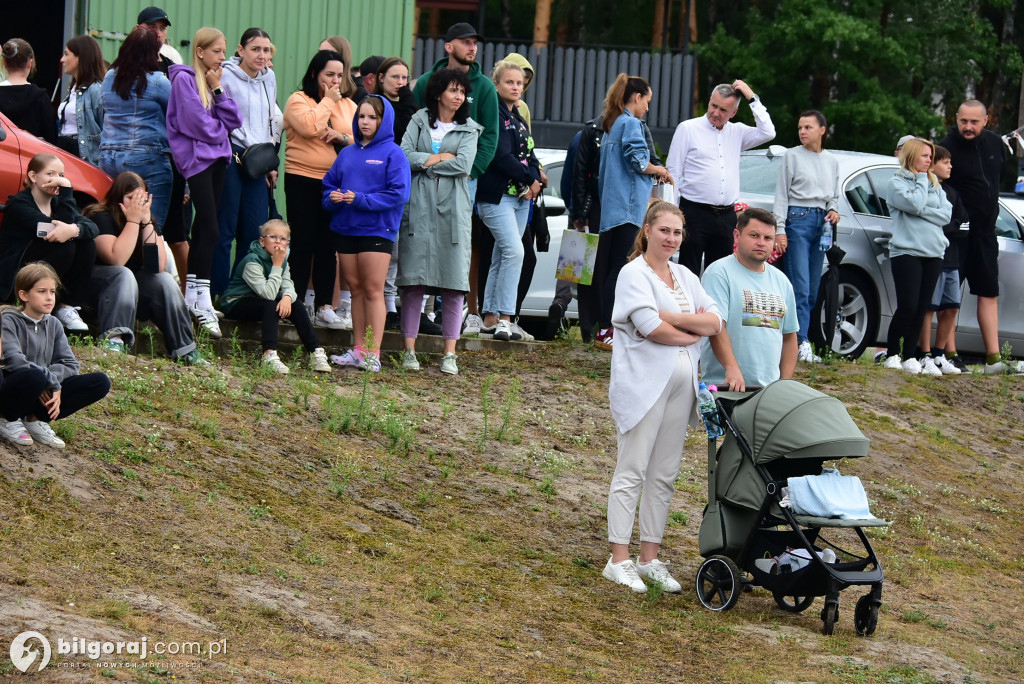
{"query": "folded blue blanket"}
[(829, 495)]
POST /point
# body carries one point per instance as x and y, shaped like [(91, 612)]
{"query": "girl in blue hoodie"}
[(364, 192)]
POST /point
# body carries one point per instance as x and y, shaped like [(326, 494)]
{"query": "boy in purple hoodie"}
[(365, 191), (200, 116)]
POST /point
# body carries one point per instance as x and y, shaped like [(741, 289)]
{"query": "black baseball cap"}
[(151, 15), (461, 30)]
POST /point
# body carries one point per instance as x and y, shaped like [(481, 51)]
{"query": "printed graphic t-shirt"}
[(759, 308)]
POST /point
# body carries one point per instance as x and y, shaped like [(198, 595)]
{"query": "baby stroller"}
[(784, 430)]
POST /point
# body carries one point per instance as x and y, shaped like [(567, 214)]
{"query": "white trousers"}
[(649, 458)]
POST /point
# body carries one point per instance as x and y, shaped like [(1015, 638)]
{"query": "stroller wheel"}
[(718, 583), (829, 616), (793, 604), (865, 616)]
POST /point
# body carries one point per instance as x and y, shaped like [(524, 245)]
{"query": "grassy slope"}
[(336, 530)]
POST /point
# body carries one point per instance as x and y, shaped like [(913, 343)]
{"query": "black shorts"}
[(981, 265), (356, 244)]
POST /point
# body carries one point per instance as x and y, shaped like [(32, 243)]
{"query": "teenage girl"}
[(365, 191), (200, 116), (47, 205), (41, 380), (245, 204)]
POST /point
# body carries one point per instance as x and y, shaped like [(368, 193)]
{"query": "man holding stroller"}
[(758, 345)]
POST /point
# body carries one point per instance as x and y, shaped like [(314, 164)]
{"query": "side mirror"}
[(553, 206), (3, 133)]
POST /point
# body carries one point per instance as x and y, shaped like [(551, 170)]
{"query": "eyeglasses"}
[(277, 238)]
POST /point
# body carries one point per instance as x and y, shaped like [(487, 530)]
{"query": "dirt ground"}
[(419, 527)]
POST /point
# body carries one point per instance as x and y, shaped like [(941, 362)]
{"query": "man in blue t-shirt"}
[(758, 345)]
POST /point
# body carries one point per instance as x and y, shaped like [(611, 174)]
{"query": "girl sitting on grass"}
[(40, 375), (262, 290)]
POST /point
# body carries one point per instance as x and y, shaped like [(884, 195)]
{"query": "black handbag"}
[(257, 160)]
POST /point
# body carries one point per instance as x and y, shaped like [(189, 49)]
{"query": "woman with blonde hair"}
[(503, 198), (200, 117), (626, 171), (661, 316), (919, 210)]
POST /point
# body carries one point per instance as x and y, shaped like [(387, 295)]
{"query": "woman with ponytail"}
[(200, 117), (627, 168)]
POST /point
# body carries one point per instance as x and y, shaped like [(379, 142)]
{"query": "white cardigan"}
[(641, 368)]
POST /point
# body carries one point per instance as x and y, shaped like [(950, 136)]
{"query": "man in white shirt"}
[(704, 158), (758, 344)]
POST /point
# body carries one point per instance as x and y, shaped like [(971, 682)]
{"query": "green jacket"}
[(256, 276), (483, 108)]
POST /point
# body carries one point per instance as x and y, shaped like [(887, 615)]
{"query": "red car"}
[(17, 149)]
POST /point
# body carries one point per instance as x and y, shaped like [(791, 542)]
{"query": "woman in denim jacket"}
[(626, 184), (80, 115), (134, 137)]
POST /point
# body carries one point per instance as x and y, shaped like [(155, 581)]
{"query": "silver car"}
[(542, 287), (867, 297)]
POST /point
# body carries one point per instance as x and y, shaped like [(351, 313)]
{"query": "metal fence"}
[(570, 83)]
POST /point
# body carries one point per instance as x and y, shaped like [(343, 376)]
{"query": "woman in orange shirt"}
[(317, 123)]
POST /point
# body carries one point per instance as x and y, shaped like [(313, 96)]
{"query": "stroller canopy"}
[(790, 420)]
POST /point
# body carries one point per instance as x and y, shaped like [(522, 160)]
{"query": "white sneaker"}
[(928, 367), (14, 432), (523, 335), (207, 319), (318, 361), (624, 573), (42, 433), (473, 325), (449, 364), (409, 361), (344, 313), (326, 317), (274, 361), (893, 362), (945, 365), (503, 331), (68, 316), (1000, 368), (806, 353), (657, 572), (912, 366)]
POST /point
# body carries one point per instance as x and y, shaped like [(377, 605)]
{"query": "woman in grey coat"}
[(434, 251)]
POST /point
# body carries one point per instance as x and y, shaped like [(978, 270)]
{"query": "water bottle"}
[(709, 412), (826, 237)]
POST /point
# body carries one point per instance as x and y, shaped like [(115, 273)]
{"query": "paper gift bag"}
[(576, 257)]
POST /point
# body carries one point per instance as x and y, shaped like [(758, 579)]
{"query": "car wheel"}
[(856, 319)]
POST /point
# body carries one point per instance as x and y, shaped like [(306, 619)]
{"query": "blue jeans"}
[(507, 223), (155, 169), (244, 207), (803, 261)]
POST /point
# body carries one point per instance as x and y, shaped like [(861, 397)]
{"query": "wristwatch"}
[(752, 99), (217, 91)]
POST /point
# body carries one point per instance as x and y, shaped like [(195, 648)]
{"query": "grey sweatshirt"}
[(40, 344), (806, 179)]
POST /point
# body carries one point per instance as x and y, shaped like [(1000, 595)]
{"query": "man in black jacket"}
[(978, 156)]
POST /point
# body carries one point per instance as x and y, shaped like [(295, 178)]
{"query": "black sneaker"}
[(555, 316), (393, 321), (428, 327), (958, 362)]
